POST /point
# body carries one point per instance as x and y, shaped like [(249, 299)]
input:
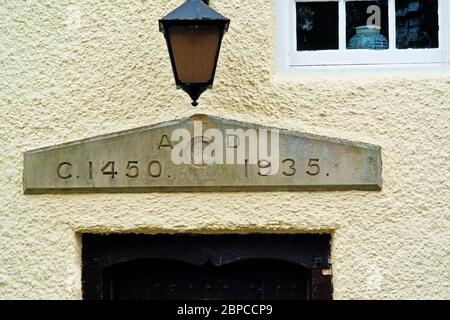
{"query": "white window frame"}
[(288, 58)]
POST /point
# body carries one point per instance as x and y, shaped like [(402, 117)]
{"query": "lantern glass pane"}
[(194, 49)]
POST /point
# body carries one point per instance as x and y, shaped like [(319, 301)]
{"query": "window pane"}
[(367, 24), (417, 24), (317, 25)]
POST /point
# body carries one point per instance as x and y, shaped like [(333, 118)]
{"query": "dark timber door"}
[(254, 267), (173, 280)]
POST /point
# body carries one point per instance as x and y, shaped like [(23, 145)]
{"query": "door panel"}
[(163, 279)]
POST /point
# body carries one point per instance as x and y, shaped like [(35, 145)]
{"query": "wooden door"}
[(202, 267), (162, 279)]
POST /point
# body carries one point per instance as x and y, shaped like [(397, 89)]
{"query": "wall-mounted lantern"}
[(194, 34)]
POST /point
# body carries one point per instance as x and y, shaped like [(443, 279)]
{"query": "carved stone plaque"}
[(203, 153)]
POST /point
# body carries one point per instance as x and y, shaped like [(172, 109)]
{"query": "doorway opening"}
[(206, 267)]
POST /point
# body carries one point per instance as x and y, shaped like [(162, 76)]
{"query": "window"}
[(362, 32)]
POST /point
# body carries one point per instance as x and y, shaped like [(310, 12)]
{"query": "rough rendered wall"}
[(64, 78)]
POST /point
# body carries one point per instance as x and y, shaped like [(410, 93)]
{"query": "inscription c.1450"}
[(203, 153)]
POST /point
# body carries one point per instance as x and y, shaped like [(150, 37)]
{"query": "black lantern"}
[(194, 34)]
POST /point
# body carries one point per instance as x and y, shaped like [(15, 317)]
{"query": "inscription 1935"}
[(154, 169)]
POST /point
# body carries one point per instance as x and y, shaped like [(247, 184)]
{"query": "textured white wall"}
[(75, 69)]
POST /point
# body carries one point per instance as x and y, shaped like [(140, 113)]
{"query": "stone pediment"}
[(203, 153)]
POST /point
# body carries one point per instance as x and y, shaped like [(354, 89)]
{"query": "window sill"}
[(429, 69)]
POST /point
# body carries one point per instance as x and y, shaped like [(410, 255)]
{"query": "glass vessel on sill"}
[(368, 37)]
